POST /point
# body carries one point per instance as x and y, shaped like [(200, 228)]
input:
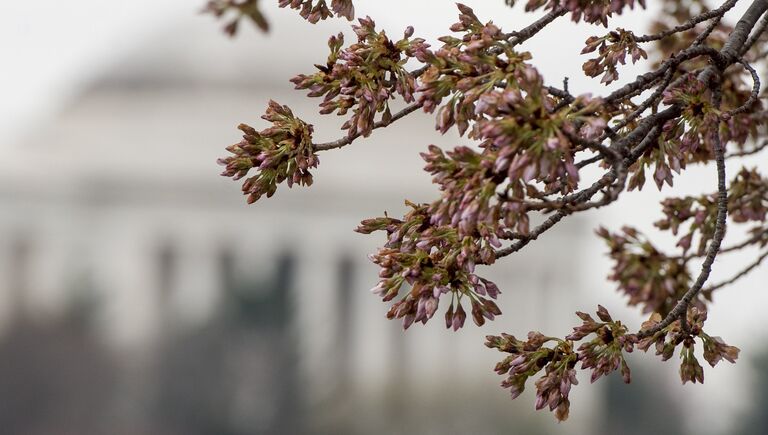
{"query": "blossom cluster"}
[(734, 84), (282, 152), (689, 138), (698, 121), (612, 49), (747, 202), (364, 76), (605, 352), (316, 10), (311, 10), (533, 140), (667, 340), (591, 11), (735, 91), (434, 261), (529, 357), (241, 9), (666, 159), (466, 68), (649, 277), (468, 201), (685, 139), (748, 196), (493, 92), (603, 355)]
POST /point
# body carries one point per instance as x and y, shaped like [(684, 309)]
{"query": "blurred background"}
[(139, 294)]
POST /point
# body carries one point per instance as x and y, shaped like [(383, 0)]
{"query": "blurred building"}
[(208, 316)]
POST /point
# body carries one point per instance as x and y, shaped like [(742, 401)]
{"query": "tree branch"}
[(348, 139), (681, 307)]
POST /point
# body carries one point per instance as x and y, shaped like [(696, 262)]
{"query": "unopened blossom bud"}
[(449, 317), (458, 318), (430, 306), (408, 320)]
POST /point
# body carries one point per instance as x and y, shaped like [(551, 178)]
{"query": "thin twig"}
[(753, 96), (754, 150), (348, 139), (707, 292), (702, 37), (759, 237), (690, 24), (517, 38), (648, 102)]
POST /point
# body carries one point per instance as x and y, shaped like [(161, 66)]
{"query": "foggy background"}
[(139, 294)]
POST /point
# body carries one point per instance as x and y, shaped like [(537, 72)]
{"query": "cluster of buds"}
[(476, 194), (282, 152), (739, 128), (715, 350), (748, 196), (699, 212), (612, 49), (314, 11), (690, 369), (552, 389), (517, 124), (532, 140), (591, 11), (646, 275), (464, 69), (468, 201), (529, 357), (692, 131), (747, 202), (666, 158), (434, 261), (364, 76), (311, 10), (669, 338), (241, 9), (605, 353)]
